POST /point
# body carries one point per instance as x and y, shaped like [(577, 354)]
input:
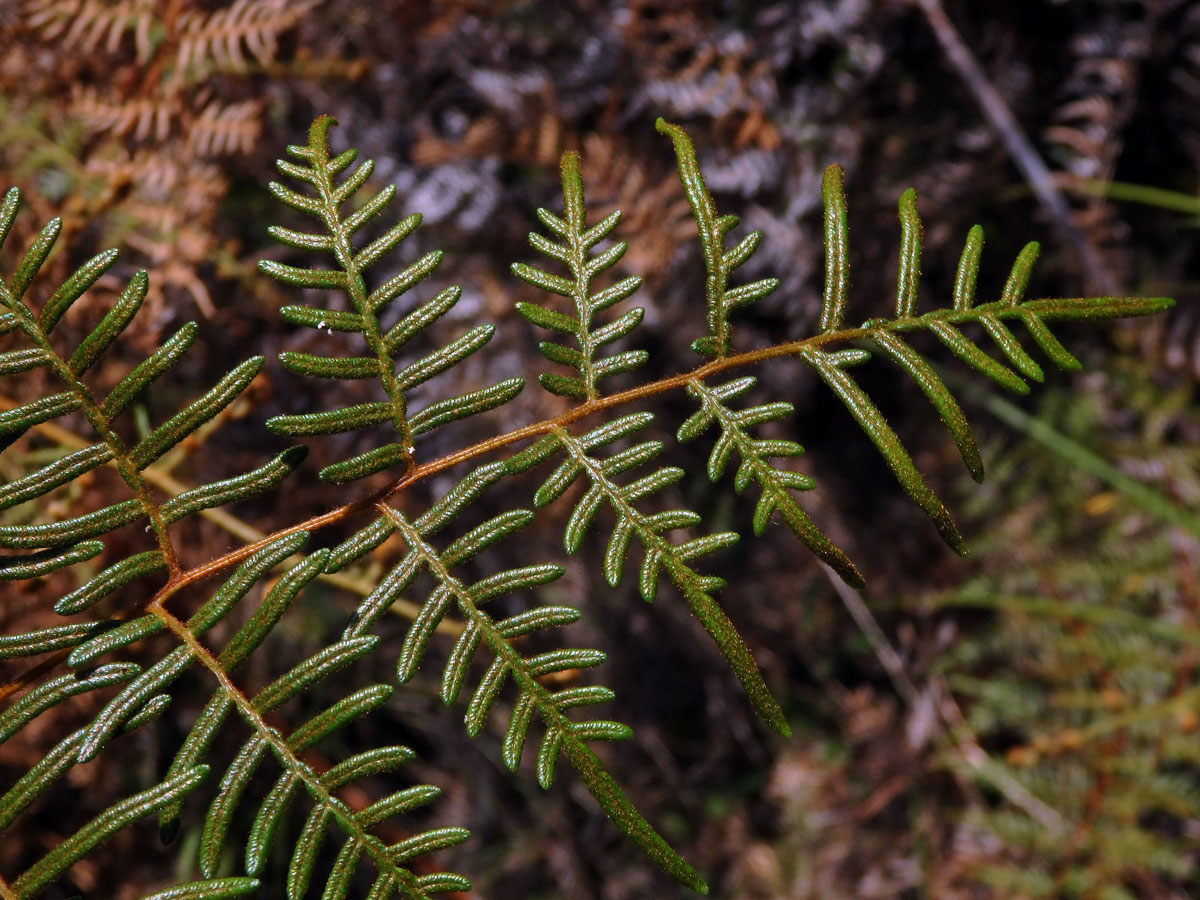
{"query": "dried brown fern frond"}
[(88, 25), (694, 66), (1098, 99), (138, 118), (169, 214), (225, 128), (649, 200), (652, 211), (154, 116), (227, 39)]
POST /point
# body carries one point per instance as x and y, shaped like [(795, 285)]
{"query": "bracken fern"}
[(597, 443)]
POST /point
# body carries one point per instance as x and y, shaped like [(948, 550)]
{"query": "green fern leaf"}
[(719, 263), (660, 555), (578, 241), (562, 735), (22, 566), (939, 395), (51, 693), (112, 820), (968, 270), (908, 278), (888, 335), (755, 454), (837, 259), (217, 889), (45, 640), (319, 172), (272, 804)]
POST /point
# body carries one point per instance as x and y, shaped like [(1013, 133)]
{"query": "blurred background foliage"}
[(1022, 725)]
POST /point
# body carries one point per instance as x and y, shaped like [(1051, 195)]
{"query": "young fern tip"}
[(279, 805)]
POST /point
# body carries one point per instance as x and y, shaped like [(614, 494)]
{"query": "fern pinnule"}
[(214, 889), (884, 437), (318, 170), (836, 240)]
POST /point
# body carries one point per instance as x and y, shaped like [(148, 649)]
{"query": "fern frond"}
[(755, 456), (613, 462), (141, 118), (225, 128), (317, 170), (561, 735), (87, 24), (659, 554), (226, 38), (573, 252), (43, 548), (719, 263), (888, 335)]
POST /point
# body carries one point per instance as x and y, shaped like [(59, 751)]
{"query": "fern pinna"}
[(598, 443)]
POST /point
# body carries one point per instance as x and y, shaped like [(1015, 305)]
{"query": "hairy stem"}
[(650, 389)]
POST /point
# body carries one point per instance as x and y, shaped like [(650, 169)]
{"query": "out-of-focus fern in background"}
[(1062, 659)]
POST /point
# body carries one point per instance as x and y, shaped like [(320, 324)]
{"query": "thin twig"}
[(1019, 147)]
